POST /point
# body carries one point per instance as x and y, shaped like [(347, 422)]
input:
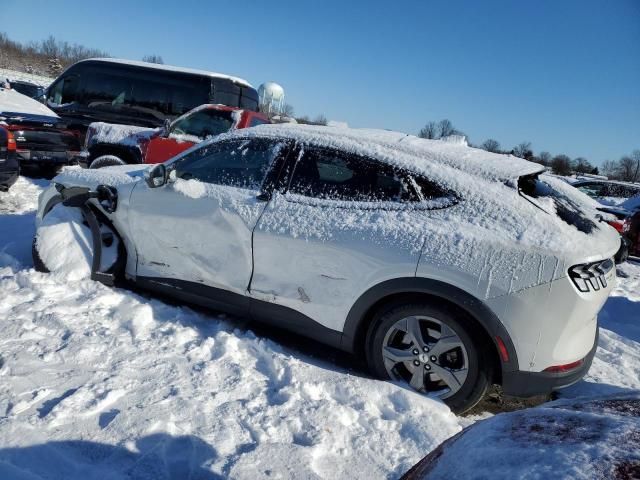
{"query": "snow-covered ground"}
[(98, 382), (25, 77)]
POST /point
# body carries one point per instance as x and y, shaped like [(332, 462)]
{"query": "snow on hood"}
[(112, 133), (114, 176), (12, 102)]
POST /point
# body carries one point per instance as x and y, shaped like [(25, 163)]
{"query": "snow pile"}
[(65, 244), (12, 102), (567, 439), (13, 75)]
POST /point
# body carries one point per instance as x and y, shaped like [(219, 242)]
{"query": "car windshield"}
[(203, 123)]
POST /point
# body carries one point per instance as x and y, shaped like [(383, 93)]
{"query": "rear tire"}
[(430, 348), (106, 161)]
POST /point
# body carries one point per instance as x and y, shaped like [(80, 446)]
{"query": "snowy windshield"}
[(204, 123)]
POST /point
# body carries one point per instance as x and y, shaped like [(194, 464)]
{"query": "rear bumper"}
[(35, 159), (528, 384)]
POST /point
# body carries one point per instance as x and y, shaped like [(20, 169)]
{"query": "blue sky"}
[(563, 74)]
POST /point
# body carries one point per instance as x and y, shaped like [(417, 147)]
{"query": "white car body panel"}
[(214, 247), (305, 261)]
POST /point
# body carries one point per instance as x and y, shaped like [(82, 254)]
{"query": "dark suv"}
[(139, 93)]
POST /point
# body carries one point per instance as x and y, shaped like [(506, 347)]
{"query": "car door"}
[(345, 224), (186, 131), (195, 233)]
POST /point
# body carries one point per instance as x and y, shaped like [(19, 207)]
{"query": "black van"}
[(139, 93)]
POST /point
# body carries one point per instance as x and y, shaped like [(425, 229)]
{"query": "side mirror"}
[(166, 128), (157, 176)]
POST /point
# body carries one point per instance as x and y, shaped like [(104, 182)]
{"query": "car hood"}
[(14, 104), (115, 176)]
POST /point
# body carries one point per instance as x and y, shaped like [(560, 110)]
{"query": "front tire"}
[(430, 348), (106, 161)]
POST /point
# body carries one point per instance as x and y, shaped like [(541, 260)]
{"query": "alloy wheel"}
[(427, 354)]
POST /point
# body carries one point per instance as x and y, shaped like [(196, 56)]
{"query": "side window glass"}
[(333, 175), (64, 91), (242, 164), (429, 190)]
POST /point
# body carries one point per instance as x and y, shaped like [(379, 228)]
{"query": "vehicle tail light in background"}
[(626, 225), (591, 276), (11, 142), (617, 224), (567, 367)]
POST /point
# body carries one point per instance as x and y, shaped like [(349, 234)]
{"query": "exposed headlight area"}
[(591, 277)]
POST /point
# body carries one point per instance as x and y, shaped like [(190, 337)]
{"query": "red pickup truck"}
[(110, 144)]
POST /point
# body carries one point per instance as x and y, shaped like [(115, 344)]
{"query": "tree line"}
[(48, 57), (627, 168)]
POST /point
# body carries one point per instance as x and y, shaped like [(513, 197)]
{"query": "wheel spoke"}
[(445, 344), (413, 330), (397, 355), (417, 379), (453, 378)]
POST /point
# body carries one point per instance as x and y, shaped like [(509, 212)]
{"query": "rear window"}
[(553, 202)]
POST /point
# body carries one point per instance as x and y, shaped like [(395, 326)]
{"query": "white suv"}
[(445, 266)]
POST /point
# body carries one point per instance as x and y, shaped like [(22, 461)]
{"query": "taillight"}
[(617, 224), (11, 142), (567, 367), (591, 276)]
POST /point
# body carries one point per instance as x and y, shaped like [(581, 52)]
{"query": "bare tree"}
[(629, 167), (561, 165), (430, 131), (582, 165), (320, 120), (610, 168), (491, 145), (153, 59), (287, 110), (544, 158), (523, 150), (446, 128)]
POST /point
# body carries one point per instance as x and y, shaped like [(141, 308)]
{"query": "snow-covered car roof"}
[(13, 104), (170, 68), (405, 151)]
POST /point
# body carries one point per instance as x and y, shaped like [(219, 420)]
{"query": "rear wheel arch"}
[(401, 290)]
